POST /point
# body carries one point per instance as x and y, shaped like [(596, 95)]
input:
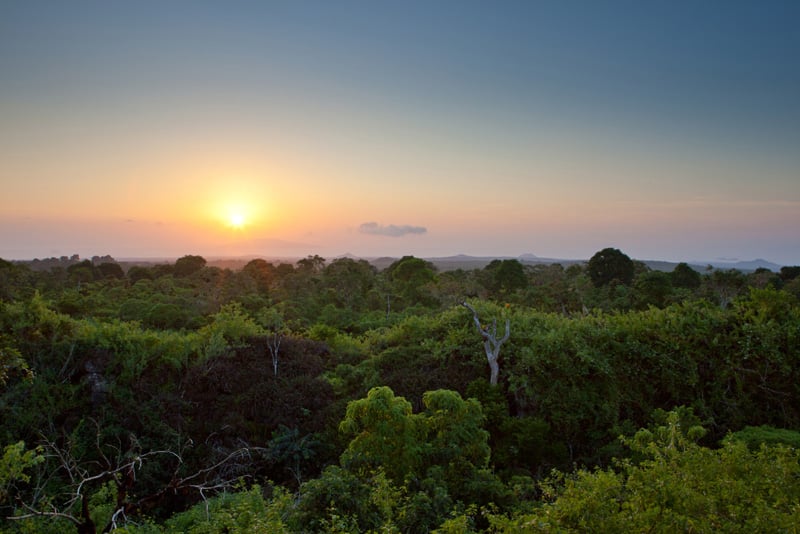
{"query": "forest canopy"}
[(335, 396)]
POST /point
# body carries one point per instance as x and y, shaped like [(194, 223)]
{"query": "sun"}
[(237, 220), (235, 216)]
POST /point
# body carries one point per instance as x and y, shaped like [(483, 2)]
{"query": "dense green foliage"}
[(334, 397), (678, 486)]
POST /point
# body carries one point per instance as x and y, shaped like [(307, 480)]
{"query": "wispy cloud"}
[(391, 230)]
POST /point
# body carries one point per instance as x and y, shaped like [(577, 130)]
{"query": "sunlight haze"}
[(670, 130)]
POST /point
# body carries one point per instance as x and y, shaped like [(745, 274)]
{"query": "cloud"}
[(390, 230)]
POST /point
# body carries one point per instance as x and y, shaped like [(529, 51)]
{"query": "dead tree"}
[(490, 342), (82, 478), (275, 331), (274, 346)]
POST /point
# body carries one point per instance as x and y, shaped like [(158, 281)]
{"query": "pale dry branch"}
[(491, 343)]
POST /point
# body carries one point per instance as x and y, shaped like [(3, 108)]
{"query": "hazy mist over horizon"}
[(153, 130)]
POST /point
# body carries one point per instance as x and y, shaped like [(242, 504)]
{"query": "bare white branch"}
[(491, 344)]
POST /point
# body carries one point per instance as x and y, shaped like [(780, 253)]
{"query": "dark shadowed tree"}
[(138, 272), (15, 280), (409, 277), (162, 269), (608, 265), (311, 264), (189, 264), (653, 288), (262, 272), (506, 276), (82, 272), (685, 277), (349, 281), (724, 285), (111, 270), (788, 273)]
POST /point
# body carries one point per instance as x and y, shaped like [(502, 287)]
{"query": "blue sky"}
[(670, 130)]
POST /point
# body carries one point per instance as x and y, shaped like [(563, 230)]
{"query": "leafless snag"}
[(491, 343), (75, 507), (122, 472), (274, 345)]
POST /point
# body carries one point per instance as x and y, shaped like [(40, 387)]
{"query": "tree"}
[(409, 276), (311, 264), (454, 427), (491, 343), (383, 433), (653, 288), (111, 270), (288, 448), (82, 272), (272, 321), (15, 280), (438, 457), (679, 486), (725, 285), (685, 277), (231, 327), (11, 362), (239, 511), (138, 272), (262, 272), (608, 265), (506, 275), (341, 501), (349, 281), (161, 269), (788, 272), (13, 464), (274, 340), (189, 264), (115, 478), (454, 459)]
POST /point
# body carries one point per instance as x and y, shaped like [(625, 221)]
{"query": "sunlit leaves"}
[(13, 465), (383, 434), (681, 487)]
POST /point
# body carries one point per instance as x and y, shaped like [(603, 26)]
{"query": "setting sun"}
[(236, 220)]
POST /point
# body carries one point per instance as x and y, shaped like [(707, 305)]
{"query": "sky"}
[(667, 129)]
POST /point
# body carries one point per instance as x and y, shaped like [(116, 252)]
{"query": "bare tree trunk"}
[(494, 367), (491, 344), (86, 526), (274, 345)]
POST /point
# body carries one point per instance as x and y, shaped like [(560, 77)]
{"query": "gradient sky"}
[(668, 129)]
